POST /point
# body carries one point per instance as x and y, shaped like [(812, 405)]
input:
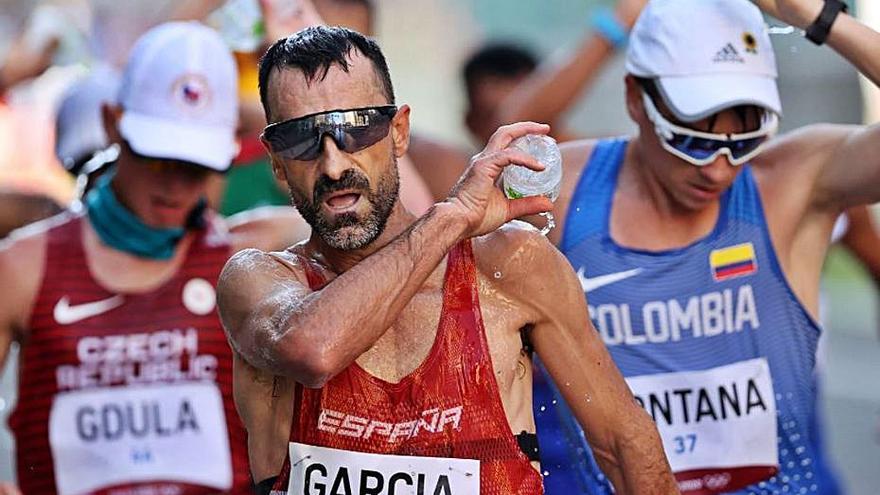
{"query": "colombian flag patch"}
[(733, 261)]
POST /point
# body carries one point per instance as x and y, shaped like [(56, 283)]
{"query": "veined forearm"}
[(643, 466), (345, 318)]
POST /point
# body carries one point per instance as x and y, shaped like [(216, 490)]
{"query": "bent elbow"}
[(312, 366)]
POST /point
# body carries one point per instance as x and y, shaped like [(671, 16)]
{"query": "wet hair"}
[(745, 113), (502, 60), (314, 51)]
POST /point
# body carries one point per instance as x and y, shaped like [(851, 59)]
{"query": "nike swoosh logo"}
[(591, 284), (65, 314)]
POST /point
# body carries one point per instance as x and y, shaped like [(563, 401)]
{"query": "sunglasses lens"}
[(293, 139), (352, 130), (357, 138), (744, 147), (703, 149), (695, 147)]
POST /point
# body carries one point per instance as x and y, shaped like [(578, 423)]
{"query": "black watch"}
[(818, 31)]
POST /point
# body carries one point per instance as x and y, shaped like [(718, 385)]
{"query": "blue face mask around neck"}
[(121, 229)]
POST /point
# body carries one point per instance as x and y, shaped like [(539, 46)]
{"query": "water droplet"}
[(554, 401), (781, 29), (546, 473), (497, 274), (551, 223), (543, 408)]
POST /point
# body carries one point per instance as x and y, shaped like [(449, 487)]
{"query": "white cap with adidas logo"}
[(706, 55)]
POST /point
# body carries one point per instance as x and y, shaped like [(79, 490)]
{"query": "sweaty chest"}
[(413, 339)]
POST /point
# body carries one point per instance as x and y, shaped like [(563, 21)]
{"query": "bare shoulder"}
[(523, 265), (24, 249), (252, 267), (517, 255), (803, 150), (788, 170), (22, 263)]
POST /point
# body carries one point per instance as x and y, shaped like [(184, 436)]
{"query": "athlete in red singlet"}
[(386, 354), (125, 379)]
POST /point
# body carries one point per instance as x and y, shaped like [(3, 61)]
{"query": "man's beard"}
[(348, 231)]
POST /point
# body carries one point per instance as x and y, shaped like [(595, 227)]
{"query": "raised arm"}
[(846, 158), (556, 85), (623, 437), (276, 323)]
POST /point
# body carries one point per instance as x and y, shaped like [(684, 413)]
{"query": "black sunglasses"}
[(353, 130)]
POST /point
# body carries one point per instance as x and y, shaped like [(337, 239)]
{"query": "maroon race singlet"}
[(440, 430), (128, 394)]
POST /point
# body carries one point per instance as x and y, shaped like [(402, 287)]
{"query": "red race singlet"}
[(440, 430), (128, 394)]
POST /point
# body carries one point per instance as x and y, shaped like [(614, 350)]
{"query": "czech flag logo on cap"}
[(733, 261)]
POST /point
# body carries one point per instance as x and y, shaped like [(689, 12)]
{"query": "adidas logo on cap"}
[(728, 53)]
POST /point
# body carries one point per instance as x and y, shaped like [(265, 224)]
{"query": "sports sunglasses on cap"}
[(702, 148), (353, 130)]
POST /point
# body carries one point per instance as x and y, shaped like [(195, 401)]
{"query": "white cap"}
[(179, 96), (79, 128), (706, 55)]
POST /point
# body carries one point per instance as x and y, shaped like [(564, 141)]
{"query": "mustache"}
[(350, 179)]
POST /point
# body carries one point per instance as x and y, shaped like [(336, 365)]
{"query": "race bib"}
[(112, 436), (320, 470), (718, 426)]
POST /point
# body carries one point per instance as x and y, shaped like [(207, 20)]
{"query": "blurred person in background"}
[(22, 63), (701, 239), (125, 379), (66, 35), (81, 143), (506, 83)]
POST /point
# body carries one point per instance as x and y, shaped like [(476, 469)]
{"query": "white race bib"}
[(112, 436), (718, 426), (318, 470)]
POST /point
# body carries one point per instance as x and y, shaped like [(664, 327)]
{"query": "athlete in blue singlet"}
[(699, 241)]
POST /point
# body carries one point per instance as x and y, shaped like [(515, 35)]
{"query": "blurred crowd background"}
[(426, 42)]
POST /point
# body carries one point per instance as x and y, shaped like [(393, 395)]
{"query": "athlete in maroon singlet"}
[(386, 354), (141, 376)]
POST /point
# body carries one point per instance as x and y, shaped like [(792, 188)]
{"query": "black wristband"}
[(817, 32)]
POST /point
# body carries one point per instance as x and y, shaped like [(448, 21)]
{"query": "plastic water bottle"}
[(519, 182)]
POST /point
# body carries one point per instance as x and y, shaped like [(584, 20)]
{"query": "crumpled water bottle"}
[(519, 182)]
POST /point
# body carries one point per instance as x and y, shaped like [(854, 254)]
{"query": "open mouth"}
[(341, 201)]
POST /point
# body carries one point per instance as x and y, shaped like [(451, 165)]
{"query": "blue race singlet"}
[(710, 338)]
